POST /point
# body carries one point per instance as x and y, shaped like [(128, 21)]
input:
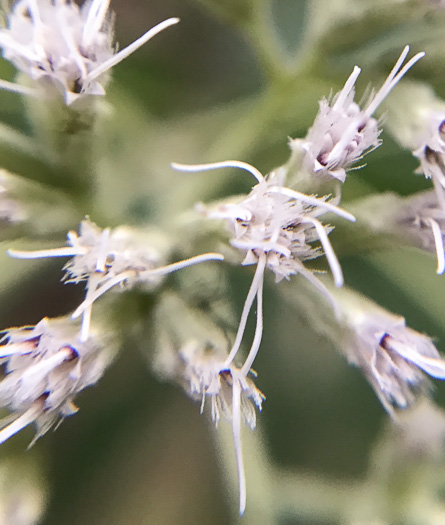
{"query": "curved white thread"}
[(123, 276), (438, 241), (236, 432), (313, 201), (328, 250), (217, 165), (52, 252), (259, 327), (259, 275), (118, 57)]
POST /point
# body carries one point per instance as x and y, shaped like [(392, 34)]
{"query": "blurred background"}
[(324, 453)]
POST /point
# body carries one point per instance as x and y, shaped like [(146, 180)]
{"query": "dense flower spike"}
[(107, 258), (392, 356), (46, 366), (342, 132), (63, 46)]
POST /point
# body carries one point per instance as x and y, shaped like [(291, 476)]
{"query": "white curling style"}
[(64, 47)]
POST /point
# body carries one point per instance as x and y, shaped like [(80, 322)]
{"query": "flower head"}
[(191, 350), (275, 227), (46, 366), (231, 392), (63, 46), (422, 219), (431, 154), (107, 258), (418, 124), (278, 222), (393, 357), (205, 376), (342, 132)]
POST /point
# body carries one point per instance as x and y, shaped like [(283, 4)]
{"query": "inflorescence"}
[(68, 50)]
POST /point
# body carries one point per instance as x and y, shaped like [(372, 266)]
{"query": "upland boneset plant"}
[(63, 53)]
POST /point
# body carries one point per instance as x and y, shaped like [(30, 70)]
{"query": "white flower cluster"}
[(275, 227), (279, 222), (46, 366), (232, 393), (107, 258), (68, 50), (63, 47), (393, 357), (342, 132)]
